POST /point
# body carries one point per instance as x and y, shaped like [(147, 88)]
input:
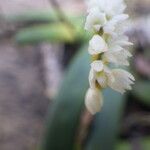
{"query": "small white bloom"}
[(122, 80), (102, 80), (97, 65), (95, 20), (92, 78), (117, 57), (122, 40), (118, 79), (110, 7), (100, 73), (116, 53), (93, 100), (97, 45), (121, 28), (108, 21), (110, 26)]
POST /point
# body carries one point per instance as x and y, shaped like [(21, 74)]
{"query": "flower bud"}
[(93, 100)]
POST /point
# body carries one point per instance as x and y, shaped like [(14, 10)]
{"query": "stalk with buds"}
[(107, 21)]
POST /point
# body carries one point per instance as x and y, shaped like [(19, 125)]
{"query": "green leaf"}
[(126, 145), (56, 32), (142, 90), (146, 143), (32, 16), (105, 128), (40, 16), (65, 112)]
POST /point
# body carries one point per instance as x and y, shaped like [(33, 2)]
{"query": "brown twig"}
[(83, 129)]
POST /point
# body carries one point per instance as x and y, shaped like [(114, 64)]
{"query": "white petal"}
[(115, 7), (123, 80), (121, 28), (120, 40), (97, 27), (92, 78), (92, 4), (110, 78), (123, 41), (119, 18), (102, 80), (126, 73), (95, 20), (97, 65), (115, 48), (93, 100), (97, 45), (117, 57), (110, 7), (110, 26), (127, 53)]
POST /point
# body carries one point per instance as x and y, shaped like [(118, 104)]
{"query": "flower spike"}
[(106, 20)]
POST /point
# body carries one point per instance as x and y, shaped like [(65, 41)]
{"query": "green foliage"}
[(48, 28), (126, 145), (146, 143), (32, 16), (67, 107), (106, 125), (66, 110), (56, 32), (142, 90)]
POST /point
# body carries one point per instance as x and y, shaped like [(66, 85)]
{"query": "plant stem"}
[(62, 17)]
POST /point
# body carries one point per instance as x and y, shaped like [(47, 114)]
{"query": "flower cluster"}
[(107, 22)]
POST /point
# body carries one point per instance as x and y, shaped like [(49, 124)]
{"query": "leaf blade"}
[(106, 124), (68, 105)]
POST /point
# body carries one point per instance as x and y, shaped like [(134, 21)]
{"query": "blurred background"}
[(44, 69)]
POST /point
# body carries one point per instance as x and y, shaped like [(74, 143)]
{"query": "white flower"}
[(106, 15), (95, 20), (122, 80), (106, 19), (118, 79), (92, 78), (110, 7), (121, 40), (97, 45), (118, 42), (117, 57), (116, 53), (93, 100), (96, 66), (110, 26), (100, 73)]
